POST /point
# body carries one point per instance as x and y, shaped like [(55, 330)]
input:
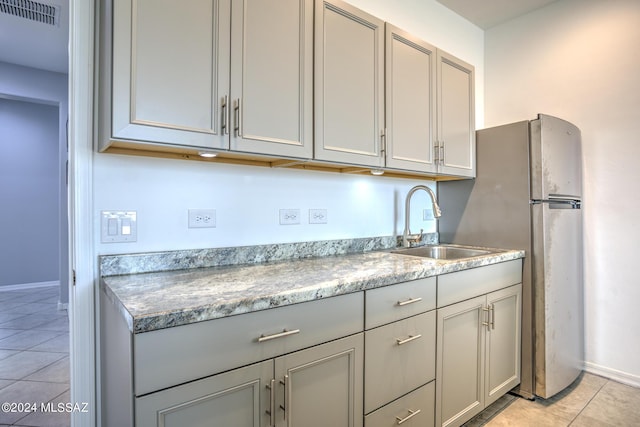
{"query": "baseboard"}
[(613, 374), (25, 286)]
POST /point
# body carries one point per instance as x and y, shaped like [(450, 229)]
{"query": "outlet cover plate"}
[(202, 218), (317, 216), (289, 216)]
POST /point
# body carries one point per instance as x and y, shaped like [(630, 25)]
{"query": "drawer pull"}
[(282, 334), (406, 340), (409, 301), (408, 417)]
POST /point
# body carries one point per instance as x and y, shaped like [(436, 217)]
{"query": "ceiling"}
[(44, 46), (489, 13), (35, 44)]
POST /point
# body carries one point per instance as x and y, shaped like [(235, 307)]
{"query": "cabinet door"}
[(321, 386), (272, 77), (236, 398), (170, 71), (502, 371), (349, 84), (456, 117), (460, 362), (410, 90)]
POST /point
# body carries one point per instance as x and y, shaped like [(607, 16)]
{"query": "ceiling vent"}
[(31, 10)]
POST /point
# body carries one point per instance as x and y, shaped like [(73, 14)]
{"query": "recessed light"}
[(377, 172)]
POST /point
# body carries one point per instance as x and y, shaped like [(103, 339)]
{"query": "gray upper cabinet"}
[(271, 102), (316, 81), (456, 146), (170, 68), (410, 101), (219, 74), (349, 85)]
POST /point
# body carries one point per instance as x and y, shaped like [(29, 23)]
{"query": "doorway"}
[(30, 239)]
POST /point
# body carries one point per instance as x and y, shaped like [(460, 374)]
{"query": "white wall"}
[(578, 60), (247, 199)]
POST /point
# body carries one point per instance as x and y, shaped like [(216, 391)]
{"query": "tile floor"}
[(34, 355), (589, 402)]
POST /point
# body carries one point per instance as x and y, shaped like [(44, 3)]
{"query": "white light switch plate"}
[(118, 226)]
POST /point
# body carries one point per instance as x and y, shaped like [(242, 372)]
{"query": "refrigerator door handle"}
[(559, 203)]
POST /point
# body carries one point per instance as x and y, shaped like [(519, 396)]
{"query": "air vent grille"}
[(32, 10)]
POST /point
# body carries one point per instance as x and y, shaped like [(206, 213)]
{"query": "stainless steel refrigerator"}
[(527, 195)]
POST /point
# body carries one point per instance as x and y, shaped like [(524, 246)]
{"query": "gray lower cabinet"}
[(432, 351), (236, 398), (318, 386), (478, 353), (413, 410), (400, 354)]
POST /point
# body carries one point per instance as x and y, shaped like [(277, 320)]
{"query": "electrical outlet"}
[(202, 218), (427, 215), (289, 216), (317, 216)]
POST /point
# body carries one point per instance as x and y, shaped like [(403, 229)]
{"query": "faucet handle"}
[(414, 238)]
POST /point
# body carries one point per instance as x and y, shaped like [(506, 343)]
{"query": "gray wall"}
[(29, 193), (32, 85)]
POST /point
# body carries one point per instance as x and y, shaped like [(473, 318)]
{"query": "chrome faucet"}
[(407, 237)]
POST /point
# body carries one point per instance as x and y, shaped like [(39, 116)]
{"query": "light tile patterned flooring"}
[(34, 356), (591, 401)]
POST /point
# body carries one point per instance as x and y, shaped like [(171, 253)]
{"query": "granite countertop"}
[(158, 300)]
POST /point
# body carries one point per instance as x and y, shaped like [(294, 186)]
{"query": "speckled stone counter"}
[(157, 300)]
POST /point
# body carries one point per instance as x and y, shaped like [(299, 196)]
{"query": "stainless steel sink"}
[(444, 252)]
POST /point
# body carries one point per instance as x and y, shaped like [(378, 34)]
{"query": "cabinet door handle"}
[(272, 402), (407, 302), (436, 153), (492, 312), (285, 404), (284, 333), (408, 417), (225, 115), (487, 323), (442, 153), (407, 340), (236, 118)]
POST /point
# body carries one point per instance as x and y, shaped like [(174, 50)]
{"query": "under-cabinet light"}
[(207, 154)]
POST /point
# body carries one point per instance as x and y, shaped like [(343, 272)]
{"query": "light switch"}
[(112, 226)]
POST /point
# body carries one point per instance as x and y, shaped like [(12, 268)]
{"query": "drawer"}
[(400, 357), (172, 356), (395, 302), (419, 405), (462, 285)]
